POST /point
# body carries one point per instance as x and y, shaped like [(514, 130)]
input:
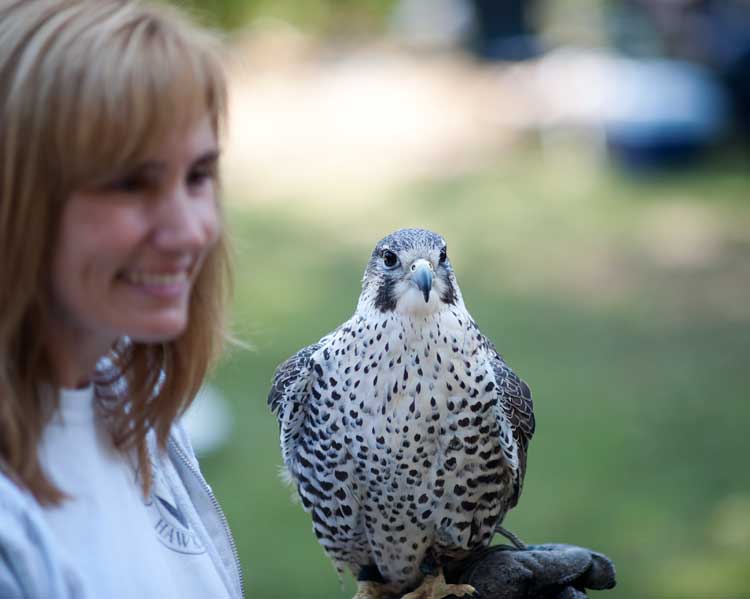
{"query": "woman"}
[(112, 285)]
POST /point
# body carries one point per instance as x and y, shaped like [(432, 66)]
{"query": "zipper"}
[(217, 508)]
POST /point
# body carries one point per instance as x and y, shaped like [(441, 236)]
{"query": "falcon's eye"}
[(390, 259), (443, 255)]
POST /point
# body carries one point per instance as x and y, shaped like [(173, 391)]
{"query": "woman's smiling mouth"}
[(163, 284)]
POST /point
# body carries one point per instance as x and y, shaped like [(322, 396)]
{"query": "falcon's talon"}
[(369, 590), (435, 587)]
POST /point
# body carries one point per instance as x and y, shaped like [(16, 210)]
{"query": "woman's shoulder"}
[(18, 508), (180, 437), (30, 560)]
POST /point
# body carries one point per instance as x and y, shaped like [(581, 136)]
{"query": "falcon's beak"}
[(421, 274)]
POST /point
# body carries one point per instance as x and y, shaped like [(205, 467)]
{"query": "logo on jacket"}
[(171, 524)]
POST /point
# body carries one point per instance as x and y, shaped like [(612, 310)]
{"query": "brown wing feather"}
[(287, 376), (288, 397), (515, 399)]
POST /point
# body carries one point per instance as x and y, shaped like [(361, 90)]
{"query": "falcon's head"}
[(409, 272)]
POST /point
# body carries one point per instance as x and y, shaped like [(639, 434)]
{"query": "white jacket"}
[(32, 561)]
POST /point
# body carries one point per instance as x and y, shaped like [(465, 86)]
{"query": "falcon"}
[(404, 430)]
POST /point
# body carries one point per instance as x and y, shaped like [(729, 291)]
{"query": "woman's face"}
[(129, 250)]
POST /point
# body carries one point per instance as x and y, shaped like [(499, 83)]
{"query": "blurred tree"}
[(228, 14), (327, 16)]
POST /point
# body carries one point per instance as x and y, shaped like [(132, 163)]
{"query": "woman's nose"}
[(186, 221)]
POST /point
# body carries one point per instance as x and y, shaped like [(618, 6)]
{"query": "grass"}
[(621, 300)]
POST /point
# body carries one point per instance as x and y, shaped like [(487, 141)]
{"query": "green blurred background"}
[(621, 297)]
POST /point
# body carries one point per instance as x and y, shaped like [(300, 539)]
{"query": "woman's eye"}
[(130, 184), (443, 255), (389, 259), (139, 180), (200, 177)]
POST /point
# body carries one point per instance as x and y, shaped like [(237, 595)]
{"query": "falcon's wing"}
[(515, 399), (324, 492), (289, 395)]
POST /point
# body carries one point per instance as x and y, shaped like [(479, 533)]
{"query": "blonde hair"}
[(86, 87)]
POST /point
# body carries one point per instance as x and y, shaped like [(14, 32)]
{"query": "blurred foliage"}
[(621, 301), (325, 16), (581, 16)]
